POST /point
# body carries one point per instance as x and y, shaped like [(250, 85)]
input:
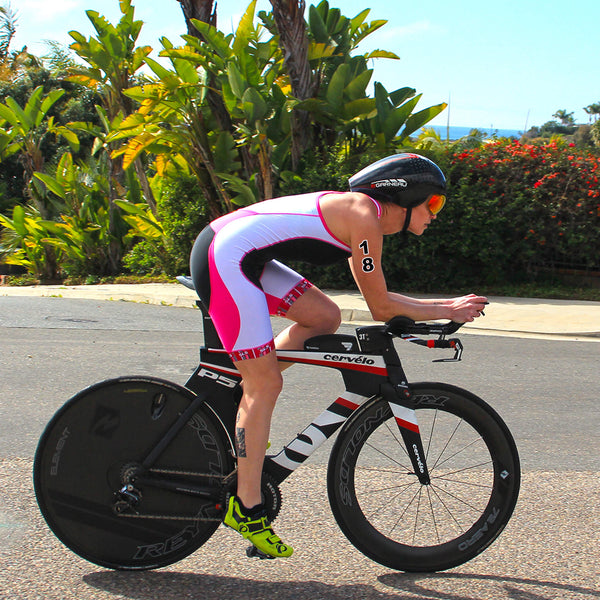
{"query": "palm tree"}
[(12, 63), (8, 28), (564, 117), (593, 110), (198, 9), (202, 10), (293, 39)]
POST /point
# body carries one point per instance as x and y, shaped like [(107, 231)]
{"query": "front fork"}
[(400, 400)]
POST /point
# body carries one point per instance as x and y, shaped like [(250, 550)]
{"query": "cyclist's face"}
[(420, 219)]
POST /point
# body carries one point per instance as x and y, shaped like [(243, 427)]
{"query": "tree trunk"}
[(145, 184), (289, 18), (202, 10)]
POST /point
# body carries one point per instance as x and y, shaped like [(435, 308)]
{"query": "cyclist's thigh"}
[(238, 307), (291, 295), (282, 287), (315, 309)]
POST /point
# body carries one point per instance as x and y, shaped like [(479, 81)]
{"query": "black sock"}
[(253, 512)]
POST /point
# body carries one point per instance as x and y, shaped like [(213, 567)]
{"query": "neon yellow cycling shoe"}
[(256, 529)]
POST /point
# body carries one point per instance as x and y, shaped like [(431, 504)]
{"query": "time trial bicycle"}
[(135, 472)]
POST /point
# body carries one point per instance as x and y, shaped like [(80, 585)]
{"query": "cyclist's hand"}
[(465, 309)]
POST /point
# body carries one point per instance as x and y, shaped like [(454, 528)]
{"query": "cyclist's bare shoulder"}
[(347, 202), (346, 211)]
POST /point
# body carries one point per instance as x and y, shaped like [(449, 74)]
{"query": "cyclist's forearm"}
[(462, 309), (421, 301), (423, 310), (413, 308)]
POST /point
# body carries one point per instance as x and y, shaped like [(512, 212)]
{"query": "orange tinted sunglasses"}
[(436, 203)]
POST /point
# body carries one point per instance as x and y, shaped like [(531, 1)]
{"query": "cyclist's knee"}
[(267, 386), (328, 318), (261, 383), (316, 311)]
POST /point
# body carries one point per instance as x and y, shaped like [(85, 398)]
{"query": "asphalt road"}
[(547, 391)]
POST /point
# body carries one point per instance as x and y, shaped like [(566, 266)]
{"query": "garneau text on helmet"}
[(390, 183)]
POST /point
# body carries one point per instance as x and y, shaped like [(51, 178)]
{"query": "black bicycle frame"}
[(369, 366)]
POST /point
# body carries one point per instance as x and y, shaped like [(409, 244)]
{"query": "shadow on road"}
[(402, 586), (447, 586), (177, 586)]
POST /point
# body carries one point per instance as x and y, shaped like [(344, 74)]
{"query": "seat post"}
[(211, 337)]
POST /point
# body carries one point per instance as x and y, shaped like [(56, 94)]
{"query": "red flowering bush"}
[(514, 210)]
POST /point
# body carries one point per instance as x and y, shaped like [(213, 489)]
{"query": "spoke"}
[(446, 476), (395, 434), (417, 516), (470, 468), (390, 458), (391, 500), (408, 505), (402, 487), (441, 489), (439, 464), (450, 513), (445, 446), (384, 470), (437, 533), (431, 434), (460, 482)]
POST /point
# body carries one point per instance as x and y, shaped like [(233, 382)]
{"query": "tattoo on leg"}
[(240, 442)]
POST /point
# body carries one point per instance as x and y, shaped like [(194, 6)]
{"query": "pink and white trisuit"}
[(236, 270)]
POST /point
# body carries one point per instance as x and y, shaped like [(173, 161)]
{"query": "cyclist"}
[(236, 271)]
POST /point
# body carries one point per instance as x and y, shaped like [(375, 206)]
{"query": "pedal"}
[(254, 552)]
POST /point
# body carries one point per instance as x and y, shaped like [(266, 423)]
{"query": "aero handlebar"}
[(403, 325)]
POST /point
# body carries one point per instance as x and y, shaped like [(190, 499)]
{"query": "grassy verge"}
[(23, 280)]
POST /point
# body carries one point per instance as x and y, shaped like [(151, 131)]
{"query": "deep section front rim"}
[(384, 510)]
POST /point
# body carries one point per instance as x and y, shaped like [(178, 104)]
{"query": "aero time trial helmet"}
[(404, 179)]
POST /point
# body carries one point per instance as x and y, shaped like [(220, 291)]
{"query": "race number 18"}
[(367, 261)]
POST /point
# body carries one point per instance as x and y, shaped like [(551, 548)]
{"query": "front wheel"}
[(385, 511), (98, 497)]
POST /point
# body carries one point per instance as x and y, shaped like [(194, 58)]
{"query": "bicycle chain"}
[(270, 491), (172, 518), (220, 478)]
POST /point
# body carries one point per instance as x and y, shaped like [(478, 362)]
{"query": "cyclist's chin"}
[(419, 231), (418, 228)]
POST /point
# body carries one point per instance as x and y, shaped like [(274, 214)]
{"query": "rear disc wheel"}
[(88, 464)]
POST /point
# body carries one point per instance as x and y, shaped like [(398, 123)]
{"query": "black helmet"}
[(404, 179)]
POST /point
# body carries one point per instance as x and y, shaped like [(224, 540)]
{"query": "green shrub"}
[(539, 206), (516, 213), (182, 213)]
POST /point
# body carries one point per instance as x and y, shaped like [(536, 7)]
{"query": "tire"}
[(91, 445), (389, 516)]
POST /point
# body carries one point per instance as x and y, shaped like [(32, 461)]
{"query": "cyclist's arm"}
[(366, 241), (384, 304)]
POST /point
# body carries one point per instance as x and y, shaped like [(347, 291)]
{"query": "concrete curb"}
[(519, 317)]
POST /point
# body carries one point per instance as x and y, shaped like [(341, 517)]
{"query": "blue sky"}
[(502, 65)]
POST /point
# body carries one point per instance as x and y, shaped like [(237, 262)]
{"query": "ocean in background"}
[(458, 132)]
